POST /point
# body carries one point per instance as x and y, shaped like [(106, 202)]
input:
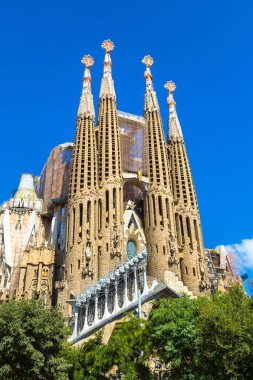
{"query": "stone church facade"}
[(121, 192)]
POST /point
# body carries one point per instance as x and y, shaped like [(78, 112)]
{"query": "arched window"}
[(131, 249)]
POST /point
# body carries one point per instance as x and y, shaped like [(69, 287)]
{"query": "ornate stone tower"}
[(110, 207), (189, 233), (159, 213), (81, 250)]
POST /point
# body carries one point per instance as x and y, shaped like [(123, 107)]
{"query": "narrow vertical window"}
[(67, 233), (95, 219), (179, 236), (74, 222), (196, 233), (107, 205), (88, 211), (167, 209), (188, 227), (148, 210), (181, 227), (114, 204), (99, 214), (154, 209), (80, 219), (160, 205)]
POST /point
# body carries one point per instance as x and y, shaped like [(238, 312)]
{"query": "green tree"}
[(31, 338), (89, 361), (204, 338), (126, 351), (226, 327), (129, 349), (174, 337)]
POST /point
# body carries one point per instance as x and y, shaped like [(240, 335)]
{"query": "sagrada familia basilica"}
[(112, 222)]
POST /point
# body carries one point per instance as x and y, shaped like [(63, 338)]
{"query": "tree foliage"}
[(207, 338), (31, 339)]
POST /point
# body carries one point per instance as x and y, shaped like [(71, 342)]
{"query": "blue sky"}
[(205, 47)]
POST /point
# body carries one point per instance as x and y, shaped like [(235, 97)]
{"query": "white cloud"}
[(244, 254)]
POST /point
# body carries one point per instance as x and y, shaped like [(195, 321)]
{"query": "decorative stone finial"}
[(170, 86), (148, 61), (87, 60), (86, 106), (175, 130), (108, 46), (151, 102), (107, 86)]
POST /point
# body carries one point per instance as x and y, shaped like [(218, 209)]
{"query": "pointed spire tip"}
[(86, 106), (170, 86)]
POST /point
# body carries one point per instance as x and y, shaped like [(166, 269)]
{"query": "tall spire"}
[(187, 218), (107, 85), (81, 246), (158, 202), (151, 103), (175, 130), (110, 180), (86, 105)]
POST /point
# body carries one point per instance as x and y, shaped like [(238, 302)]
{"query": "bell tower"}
[(110, 206), (188, 226), (81, 249), (159, 211)]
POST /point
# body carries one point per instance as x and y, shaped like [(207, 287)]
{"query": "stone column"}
[(75, 309), (126, 302), (85, 326), (96, 310), (116, 305), (106, 313), (135, 284), (145, 285)]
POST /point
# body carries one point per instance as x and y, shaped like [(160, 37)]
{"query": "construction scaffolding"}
[(54, 179), (221, 266), (132, 142)]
